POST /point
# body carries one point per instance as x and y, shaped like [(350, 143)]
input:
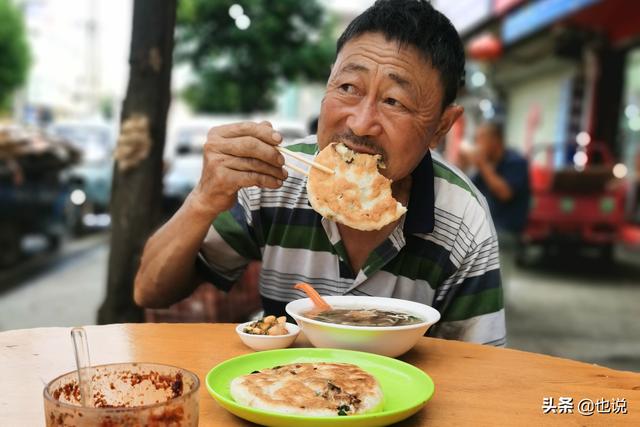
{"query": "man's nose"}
[(364, 119)]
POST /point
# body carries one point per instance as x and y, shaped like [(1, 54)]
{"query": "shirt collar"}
[(420, 216)]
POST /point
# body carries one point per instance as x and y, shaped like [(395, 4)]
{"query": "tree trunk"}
[(137, 190)]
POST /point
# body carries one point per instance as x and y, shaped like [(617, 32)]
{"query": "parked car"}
[(90, 180)]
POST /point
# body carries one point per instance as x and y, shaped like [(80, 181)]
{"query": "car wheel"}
[(10, 242)]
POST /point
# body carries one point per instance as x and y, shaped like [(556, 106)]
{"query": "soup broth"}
[(364, 317)]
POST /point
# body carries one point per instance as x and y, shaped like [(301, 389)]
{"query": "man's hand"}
[(236, 156), (496, 184), (478, 157)]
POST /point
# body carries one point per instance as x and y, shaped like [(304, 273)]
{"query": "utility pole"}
[(137, 180)]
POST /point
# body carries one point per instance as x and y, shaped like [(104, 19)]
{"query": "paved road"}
[(578, 307), (572, 307), (61, 289)]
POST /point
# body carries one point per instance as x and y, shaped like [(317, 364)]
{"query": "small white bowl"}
[(268, 342), (389, 341)]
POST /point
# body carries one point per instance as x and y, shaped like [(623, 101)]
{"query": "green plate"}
[(406, 388)]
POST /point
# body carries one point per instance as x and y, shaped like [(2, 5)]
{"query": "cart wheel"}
[(521, 255), (10, 242), (607, 253), (55, 242)]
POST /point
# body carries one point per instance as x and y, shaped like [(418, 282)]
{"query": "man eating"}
[(391, 92)]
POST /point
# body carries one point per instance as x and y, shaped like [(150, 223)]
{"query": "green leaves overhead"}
[(238, 70), (14, 52)]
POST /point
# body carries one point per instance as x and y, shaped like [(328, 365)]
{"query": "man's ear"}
[(447, 119)]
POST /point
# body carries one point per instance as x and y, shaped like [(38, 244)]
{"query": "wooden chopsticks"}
[(303, 160)]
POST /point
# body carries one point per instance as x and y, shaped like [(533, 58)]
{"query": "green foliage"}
[(238, 70), (14, 52)]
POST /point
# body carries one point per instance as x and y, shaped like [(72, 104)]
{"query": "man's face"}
[(487, 143), (384, 99)]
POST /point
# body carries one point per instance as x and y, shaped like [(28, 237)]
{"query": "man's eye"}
[(348, 88), (393, 102)]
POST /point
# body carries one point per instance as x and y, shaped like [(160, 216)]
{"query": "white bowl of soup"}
[(386, 326)]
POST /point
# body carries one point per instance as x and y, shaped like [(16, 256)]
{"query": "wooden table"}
[(475, 385)]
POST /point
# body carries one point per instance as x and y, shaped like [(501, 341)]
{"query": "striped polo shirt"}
[(443, 252)]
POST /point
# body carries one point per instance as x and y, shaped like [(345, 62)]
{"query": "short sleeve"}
[(230, 244)]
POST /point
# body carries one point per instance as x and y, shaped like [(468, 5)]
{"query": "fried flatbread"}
[(312, 389), (356, 195)]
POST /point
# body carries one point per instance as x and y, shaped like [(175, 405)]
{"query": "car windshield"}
[(93, 141), (190, 140)]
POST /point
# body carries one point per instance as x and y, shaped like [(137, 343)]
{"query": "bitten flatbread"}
[(356, 195), (312, 389)]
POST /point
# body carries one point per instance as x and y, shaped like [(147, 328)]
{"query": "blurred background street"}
[(562, 77)]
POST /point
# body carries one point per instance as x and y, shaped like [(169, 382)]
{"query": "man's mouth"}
[(359, 148)]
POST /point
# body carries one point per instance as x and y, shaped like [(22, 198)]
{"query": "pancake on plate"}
[(311, 389), (356, 195)]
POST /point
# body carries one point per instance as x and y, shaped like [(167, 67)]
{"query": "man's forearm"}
[(167, 267), (235, 156)]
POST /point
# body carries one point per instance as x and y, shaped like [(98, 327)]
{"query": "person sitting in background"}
[(502, 175), (391, 92)]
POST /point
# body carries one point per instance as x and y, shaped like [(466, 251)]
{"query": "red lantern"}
[(485, 47)]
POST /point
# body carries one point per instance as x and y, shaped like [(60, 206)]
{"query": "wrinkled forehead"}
[(378, 49)]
